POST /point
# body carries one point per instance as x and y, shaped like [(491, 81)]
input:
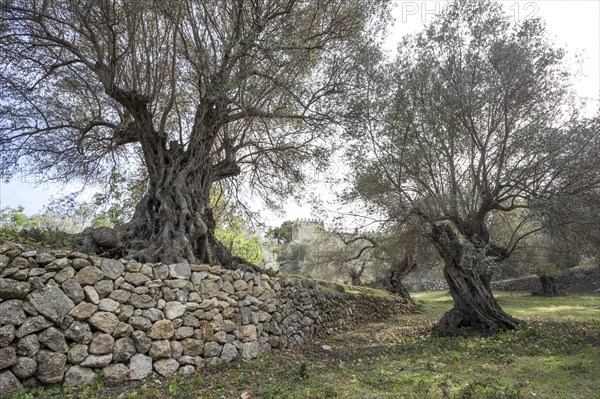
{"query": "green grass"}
[(555, 355), (338, 287)]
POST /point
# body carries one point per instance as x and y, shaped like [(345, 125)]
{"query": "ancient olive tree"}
[(474, 117), (195, 92)]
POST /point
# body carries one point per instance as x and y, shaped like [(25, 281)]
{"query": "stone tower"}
[(305, 229)]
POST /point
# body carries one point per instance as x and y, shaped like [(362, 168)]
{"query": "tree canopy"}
[(474, 117), (194, 92)]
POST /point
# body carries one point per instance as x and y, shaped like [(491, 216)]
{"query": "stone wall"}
[(566, 280), (67, 316)]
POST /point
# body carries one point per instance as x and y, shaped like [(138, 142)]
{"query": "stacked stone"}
[(567, 279), (67, 316)]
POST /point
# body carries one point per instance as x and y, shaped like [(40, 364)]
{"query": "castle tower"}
[(305, 229)]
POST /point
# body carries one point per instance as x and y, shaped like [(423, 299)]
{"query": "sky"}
[(571, 24)]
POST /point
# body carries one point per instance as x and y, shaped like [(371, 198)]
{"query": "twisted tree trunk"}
[(475, 307), (548, 286), (397, 272)]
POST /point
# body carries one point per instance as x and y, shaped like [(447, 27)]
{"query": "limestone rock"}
[(108, 305), (7, 335), (136, 279), (51, 367), (212, 349), (140, 367), (44, 258), (174, 310), (57, 265), (153, 314), (180, 271), (192, 347), (141, 341), (11, 289), (250, 349), (125, 312), (166, 367), (91, 294), (112, 268), (140, 323), (160, 272), (142, 301), (176, 349), (115, 373), (9, 383), (184, 332), (229, 353), (20, 262), (52, 303), (162, 329), (83, 311), (228, 326), (95, 361), (249, 332), (208, 289), (120, 296), (53, 339), (65, 274), (123, 330), (89, 275), (160, 349), (104, 321), (104, 287), (123, 349), (8, 357), (79, 375), (77, 353), (79, 332), (11, 312), (25, 367), (240, 285), (32, 325), (28, 346), (80, 263), (102, 344), (73, 290)]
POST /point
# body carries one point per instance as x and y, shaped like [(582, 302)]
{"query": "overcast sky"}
[(572, 24)]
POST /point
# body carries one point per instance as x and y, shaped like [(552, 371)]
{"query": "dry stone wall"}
[(66, 316)]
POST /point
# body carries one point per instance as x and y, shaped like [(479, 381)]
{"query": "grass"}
[(337, 287), (555, 355)]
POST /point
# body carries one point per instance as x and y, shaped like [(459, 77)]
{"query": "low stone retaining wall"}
[(67, 316), (568, 279)]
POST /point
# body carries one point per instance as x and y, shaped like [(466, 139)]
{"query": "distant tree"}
[(194, 92), (474, 117), (292, 258), (13, 221), (283, 233)]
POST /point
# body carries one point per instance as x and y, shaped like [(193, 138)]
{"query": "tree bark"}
[(548, 286), (475, 307), (174, 221), (397, 272)]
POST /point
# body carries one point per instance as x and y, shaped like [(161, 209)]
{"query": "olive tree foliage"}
[(474, 117), (193, 92)]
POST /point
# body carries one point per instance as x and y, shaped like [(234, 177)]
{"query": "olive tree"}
[(474, 117), (194, 92)]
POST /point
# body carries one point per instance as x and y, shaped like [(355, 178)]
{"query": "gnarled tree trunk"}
[(397, 272), (474, 304), (548, 286)]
